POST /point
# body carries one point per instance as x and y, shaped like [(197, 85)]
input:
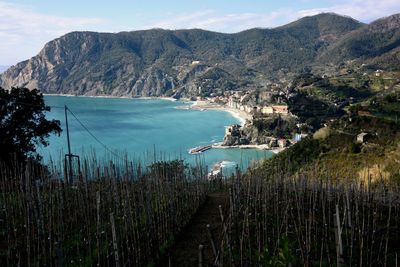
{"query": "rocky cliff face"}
[(234, 136), (175, 63)]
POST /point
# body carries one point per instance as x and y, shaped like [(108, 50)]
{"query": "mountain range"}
[(193, 62)]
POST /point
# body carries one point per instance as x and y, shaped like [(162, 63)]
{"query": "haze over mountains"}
[(191, 62), (3, 68)]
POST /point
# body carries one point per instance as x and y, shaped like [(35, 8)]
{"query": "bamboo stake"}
[(387, 232), (210, 235), (201, 255), (114, 237), (338, 238), (98, 226)]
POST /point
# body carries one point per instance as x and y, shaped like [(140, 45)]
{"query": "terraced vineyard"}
[(112, 215)]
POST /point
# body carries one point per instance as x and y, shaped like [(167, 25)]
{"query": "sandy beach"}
[(206, 105), (156, 98)]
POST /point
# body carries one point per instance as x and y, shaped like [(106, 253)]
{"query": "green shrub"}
[(354, 148)]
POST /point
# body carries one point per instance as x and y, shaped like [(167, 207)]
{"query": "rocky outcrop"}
[(234, 136), (254, 136)]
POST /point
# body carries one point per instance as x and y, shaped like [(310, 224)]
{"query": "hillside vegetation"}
[(372, 43), (331, 199), (334, 151), (163, 62)]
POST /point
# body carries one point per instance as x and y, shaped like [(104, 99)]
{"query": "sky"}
[(27, 25)]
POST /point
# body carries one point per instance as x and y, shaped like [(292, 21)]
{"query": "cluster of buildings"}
[(245, 102), (279, 109), (268, 110)]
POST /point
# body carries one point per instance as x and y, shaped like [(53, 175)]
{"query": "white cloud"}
[(23, 31), (212, 20), (362, 10)]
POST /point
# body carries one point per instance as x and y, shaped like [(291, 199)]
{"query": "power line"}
[(93, 136), (77, 119)]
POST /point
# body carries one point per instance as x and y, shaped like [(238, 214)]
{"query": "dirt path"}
[(186, 249)]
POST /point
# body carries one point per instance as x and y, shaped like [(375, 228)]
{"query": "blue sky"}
[(25, 26)]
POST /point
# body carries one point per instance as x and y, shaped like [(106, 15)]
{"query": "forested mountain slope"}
[(176, 63)]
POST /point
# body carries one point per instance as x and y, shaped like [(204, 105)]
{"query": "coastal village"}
[(243, 104), (315, 101), (283, 111)]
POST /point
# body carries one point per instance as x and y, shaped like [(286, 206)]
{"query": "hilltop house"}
[(281, 110), (275, 110), (267, 110), (378, 73), (282, 143), (362, 137)]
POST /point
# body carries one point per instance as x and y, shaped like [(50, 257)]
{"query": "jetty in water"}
[(199, 149)]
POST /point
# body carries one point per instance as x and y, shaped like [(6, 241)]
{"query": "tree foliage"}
[(276, 126), (23, 124), (169, 169)]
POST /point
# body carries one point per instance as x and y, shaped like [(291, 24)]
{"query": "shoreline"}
[(240, 115), (118, 97), (196, 105), (206, 105)]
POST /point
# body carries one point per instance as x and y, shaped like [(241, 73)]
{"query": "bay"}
[(144, 129)]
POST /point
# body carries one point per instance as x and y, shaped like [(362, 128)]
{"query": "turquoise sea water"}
[(143, 128)]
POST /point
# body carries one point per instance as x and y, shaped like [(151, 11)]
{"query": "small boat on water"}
[(199, 149)]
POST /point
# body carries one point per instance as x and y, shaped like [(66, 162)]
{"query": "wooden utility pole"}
[(69, 156)]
